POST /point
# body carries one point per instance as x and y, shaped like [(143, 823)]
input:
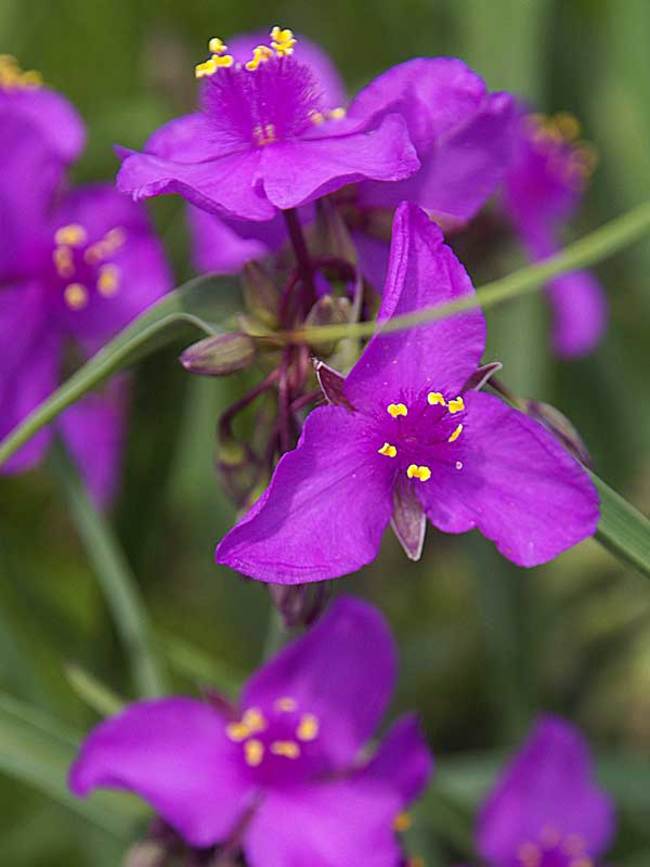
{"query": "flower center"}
[(83, 268), (421, 433), (554, 850), (271, 97), (12, 76), (556, 139)]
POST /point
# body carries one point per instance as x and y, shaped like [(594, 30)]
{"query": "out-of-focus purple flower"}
[(78, 267), (546, 810), (543, 188), (286, 776), (266, 139), (408, 440)]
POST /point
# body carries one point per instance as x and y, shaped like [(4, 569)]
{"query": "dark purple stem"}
[(303, 260), (226, 419)]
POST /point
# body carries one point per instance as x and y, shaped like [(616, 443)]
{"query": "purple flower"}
[(79, 266), (408, 440), (284, 776), (543, 189), (266, 139), (546, 810)]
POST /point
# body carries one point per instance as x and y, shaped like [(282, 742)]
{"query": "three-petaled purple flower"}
[(543, 187), (410, 438), (546, 810), (283, 777), (75, 267)]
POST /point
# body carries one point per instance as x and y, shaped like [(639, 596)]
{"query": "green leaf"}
[(201, 305), (622, 529), (92, 691)]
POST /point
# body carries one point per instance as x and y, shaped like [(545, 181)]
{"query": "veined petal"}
[(422, 272), (327, 671), (517, 485), (403, 760), (325, 510), (548, 787), (56, 120), (224, 246), (174, 753)]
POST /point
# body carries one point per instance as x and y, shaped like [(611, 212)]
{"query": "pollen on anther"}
[(217, 46), (423, 473), (254, 720), (337, 113), (73, 235), (286, 704), (108, 280), (75, 296), (63, 261), (282, 41), (457, 432), (261, 53), (286, 749), (237, 731), (308, 727), (456, 405), (397, 409), (388, 450), (253, 752), (402, 822), (436, 398)]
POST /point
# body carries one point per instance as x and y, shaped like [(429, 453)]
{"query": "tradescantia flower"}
[(408, 438), (79, 266), (546, 809), (283, 776), (543, 187), (265, 139)]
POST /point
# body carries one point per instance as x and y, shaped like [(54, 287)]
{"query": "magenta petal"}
[(516, 484), (93, 430), (337, 824), (174, 753), (579, 313), (297, 172), (186, 139), (343, 670), (547, 787), (226, 185), (224, 246), (403, 760), (423, 272), (57, 121), (325, 510)]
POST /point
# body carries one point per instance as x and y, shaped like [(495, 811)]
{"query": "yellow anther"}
[(308, 727), (436, 398), (282, 41), (457, 432), (237, 731), (254, 720), (75, 296), (337, 113), (114, 239), (217, 46), (317, 117), (287, 749), (264, 135), (402, 822), (11, 75), (108, 281), (567, 124), (63, 261), (261, 54), (456, 405), (73, 235), (397, 409), (286, 704), (422, 473), (388, 450), (253, 752), (208, 67)]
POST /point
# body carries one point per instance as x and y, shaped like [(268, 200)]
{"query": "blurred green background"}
[(483, 645)]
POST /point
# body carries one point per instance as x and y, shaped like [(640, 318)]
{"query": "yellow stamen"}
[(337, 113), (454, 436), (73, 235), (388, 450), (287, 749), (210, 66), (402, 822), (308, 727), (110, 243), (397, 409), (237, 731), (456, 405), (75, 296), (108, 281), (261, 54), (286, 704), (282, 41), (435, 398), (253, 752), (254, 720), (11, 75), (317, 117), (422, 473), (567, 124), (217, 46), (63, 261), (264, 135)]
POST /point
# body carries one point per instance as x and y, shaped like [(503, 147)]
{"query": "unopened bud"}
[(220, 355), (329, 310), (261, 296), (148, 853), (300, 604)]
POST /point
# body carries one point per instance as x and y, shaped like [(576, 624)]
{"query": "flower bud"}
[(220, 355), (300, 604), (329, 310), (261, 296)]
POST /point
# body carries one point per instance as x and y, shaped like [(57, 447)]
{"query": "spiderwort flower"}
[(79, 267), (543, 187), (265, 139), (407, 439), (546, 810), (284, 775)]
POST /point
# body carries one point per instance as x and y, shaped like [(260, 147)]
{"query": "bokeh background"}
[(484, 645)]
